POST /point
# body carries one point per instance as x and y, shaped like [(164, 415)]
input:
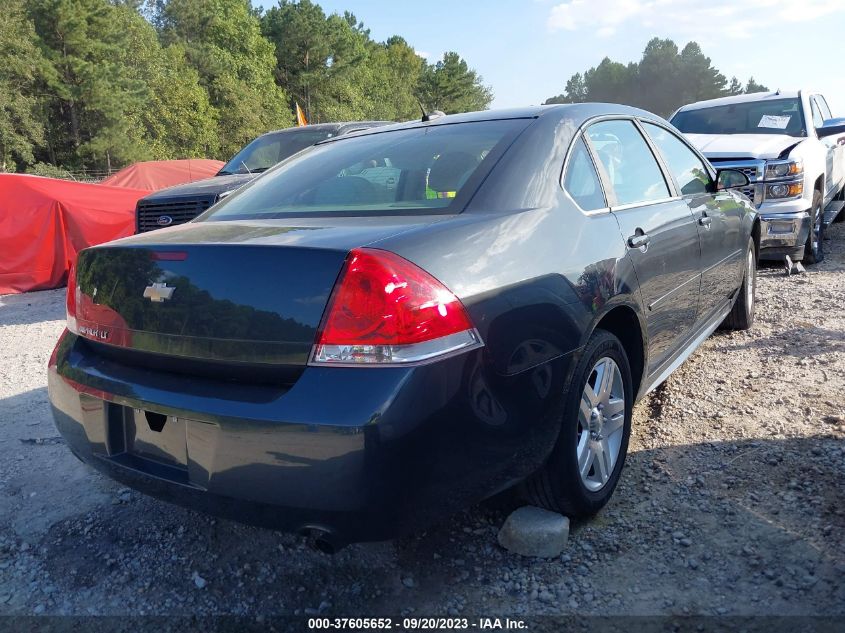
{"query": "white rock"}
[(532, 531), (199, 581)]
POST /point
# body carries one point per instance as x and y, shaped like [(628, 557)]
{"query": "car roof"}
[(575, 111), (743, 98), (340, 126)]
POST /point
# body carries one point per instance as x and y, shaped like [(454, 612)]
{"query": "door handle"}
[(639, 240), (705, 221)]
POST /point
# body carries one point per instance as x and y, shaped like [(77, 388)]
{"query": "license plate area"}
[(157, 437)]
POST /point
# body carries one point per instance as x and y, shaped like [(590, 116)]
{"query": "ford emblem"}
[(164, 220)]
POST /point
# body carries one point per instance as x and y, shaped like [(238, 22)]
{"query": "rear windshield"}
[(775, 116), (267, 150), (418, 170)]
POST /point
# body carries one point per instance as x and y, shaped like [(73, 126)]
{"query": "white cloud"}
[(423, 54), (727, 18)]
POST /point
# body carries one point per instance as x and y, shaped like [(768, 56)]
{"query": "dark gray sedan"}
[(395, 324)]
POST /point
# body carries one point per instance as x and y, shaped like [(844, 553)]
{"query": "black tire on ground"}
[(814, 249), (741, 316), (558, 485), (841, 215)]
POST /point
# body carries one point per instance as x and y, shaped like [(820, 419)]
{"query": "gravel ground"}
[(732, 501)]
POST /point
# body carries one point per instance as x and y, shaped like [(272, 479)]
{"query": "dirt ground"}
[(732, 501)]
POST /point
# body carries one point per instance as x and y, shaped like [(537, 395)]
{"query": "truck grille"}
[(754, 171), (179, 210), (750, 173), (749, 191)]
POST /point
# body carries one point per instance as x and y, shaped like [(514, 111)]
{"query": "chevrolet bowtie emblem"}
[(158, 293)]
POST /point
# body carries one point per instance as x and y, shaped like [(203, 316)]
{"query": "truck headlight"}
[(785, 190), (783, 169)]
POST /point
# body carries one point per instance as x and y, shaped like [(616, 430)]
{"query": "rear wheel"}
[(582, 472), (814, 249), (741, 316)]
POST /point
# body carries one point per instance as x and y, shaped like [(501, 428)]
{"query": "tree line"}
[(662, 81), (98, 84)]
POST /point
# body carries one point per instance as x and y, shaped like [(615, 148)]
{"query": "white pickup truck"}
[(793, 152)]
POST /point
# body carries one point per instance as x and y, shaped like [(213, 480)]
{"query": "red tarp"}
[(158, 174), (44, 222)]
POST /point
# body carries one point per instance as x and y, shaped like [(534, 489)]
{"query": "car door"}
[(658, 229), (717, 214)]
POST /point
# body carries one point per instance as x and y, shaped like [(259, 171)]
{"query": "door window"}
[(685, 165), (628, 162), (818, 119), (826, 114), (581, 179)]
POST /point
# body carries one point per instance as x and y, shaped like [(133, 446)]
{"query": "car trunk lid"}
[(226, 294)]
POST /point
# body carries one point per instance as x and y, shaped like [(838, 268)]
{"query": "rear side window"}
[(685, 165), (581, 180), (416, 170), (628, 162)]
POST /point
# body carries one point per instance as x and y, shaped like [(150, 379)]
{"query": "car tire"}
[(600, 444), (741, 316), (814, 249)]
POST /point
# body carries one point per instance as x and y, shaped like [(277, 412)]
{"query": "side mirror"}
[(731, 179), (831, 127)]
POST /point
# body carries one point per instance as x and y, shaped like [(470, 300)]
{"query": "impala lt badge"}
[(157, 293)]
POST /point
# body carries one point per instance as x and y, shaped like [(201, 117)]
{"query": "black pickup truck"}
[(182, 203)]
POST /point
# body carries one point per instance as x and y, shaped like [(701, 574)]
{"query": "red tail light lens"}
[(386, 310), (70, 301)]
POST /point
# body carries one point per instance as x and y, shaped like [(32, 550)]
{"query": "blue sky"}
[(527, 49)]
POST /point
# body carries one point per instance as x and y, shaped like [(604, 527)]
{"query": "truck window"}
[(818, 119), (826, 114), (628, 161), (767, 116)]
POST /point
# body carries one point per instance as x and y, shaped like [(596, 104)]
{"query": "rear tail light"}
[(71, 301), (385, 310)]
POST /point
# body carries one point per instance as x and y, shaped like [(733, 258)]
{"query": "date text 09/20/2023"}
[(416, 624)]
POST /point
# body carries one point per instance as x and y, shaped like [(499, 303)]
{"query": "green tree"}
[(575, 92), (452, 86), (89, 92), (394, 73), (753, 86), (735, 87), (22, 67), (235, 63), (610, 82), (699, 79), (321, 61), (663, 80), (177, 119), (658, 77)]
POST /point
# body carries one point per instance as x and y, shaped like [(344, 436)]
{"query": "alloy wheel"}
[(817, 231), (601, 421), (750, 281)]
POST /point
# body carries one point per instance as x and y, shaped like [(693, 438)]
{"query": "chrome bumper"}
[(783, 233)]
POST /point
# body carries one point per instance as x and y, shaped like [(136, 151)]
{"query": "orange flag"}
[(300, 116)]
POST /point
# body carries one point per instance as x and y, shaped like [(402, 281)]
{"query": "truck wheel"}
[(741, 316), (814, 248), (581, 473)]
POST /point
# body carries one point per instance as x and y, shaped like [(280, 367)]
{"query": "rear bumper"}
[(783, 234), (360, 453)]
